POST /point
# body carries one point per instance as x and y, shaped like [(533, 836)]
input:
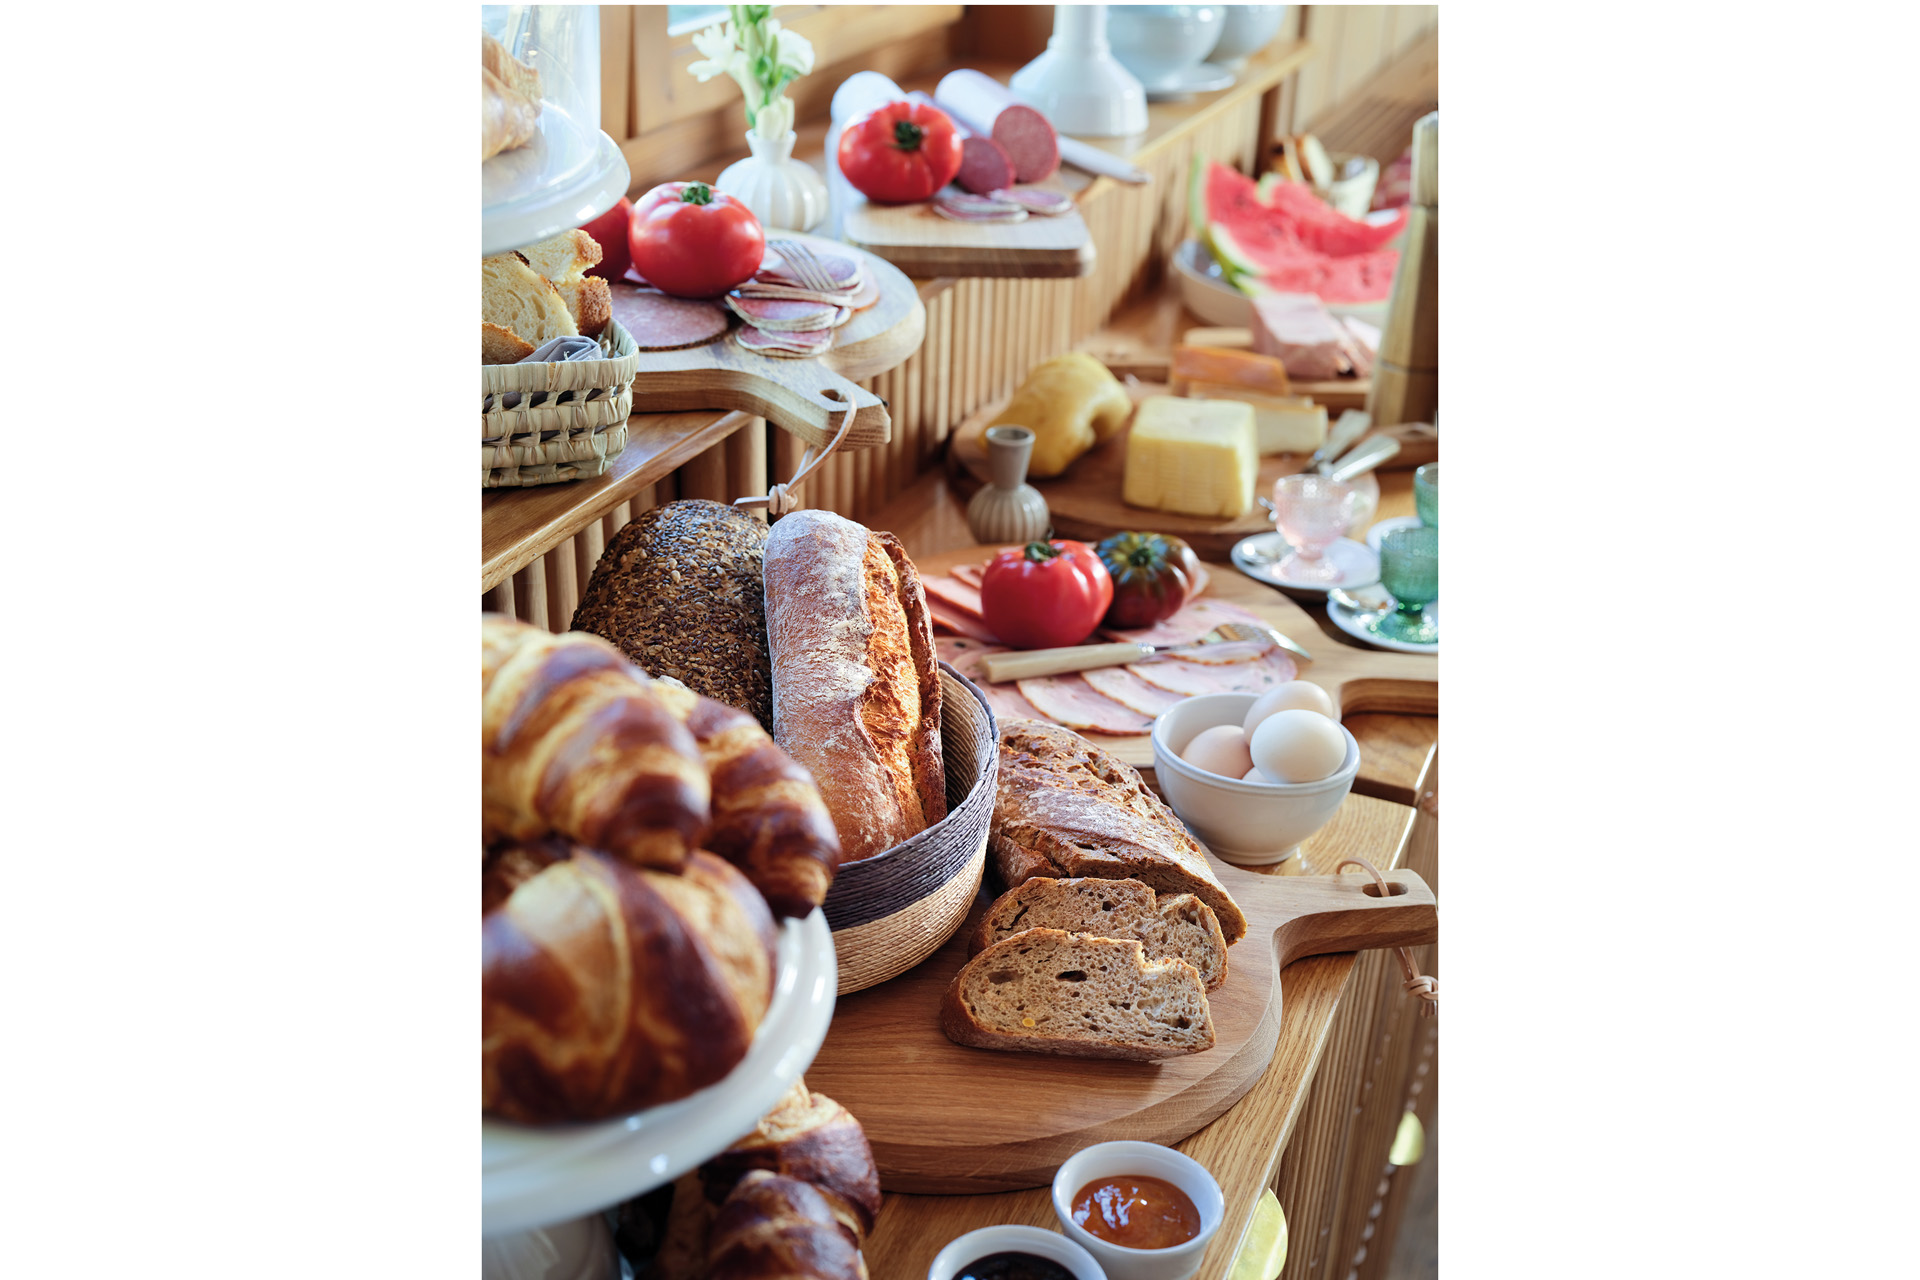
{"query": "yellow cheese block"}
[(1281, 424), (1193, 457)]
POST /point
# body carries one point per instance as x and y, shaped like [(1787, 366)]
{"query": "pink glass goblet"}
[(1312, 512)]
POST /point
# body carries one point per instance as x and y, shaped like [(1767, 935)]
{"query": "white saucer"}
[(534, 1177), (1386, 527), (1205, 78), (1360, 567), (1355, 624)]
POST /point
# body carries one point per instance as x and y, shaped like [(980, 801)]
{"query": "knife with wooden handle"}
[(1021, 665)]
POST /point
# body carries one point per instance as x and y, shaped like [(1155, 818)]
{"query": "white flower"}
[(793, 52), (776, 118)]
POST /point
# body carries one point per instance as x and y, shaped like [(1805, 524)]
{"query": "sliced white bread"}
[(1050, 991), (1177, 926), (516, 298), (564, 259)]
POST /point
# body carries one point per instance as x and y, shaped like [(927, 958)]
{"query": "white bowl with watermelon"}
[(1276, 236)]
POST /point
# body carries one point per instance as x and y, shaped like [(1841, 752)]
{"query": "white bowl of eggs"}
[(1253, 776)]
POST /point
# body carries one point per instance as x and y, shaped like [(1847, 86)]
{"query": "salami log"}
[(986, 106)]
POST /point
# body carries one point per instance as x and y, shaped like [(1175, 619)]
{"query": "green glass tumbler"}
[(1426, 494), (1410, 569)]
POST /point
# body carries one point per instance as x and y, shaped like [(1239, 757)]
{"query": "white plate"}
[(1386, 527), (1360, 566), (1355, 625), (568, 175), (1204, 78), (533, 1177)]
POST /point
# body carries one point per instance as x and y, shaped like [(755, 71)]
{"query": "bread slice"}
[(1065, 807), (502, 346), (1050, 991), (1178, 926), (589, 301), (564, 260), (518, 299)]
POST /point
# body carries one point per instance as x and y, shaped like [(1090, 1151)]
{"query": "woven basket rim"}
[(607, 411), (622, 362), (990, 750)]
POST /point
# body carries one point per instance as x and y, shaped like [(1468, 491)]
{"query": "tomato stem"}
[(697, 193), (907, 135), (1041, 552)]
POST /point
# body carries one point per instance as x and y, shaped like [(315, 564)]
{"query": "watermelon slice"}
[(1285, 245)]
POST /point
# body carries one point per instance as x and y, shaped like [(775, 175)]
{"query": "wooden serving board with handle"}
[(803, 396), (1358, 679), (945, 1119), (923, 243)]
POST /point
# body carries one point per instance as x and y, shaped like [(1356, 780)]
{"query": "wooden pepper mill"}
[(1406, 376)]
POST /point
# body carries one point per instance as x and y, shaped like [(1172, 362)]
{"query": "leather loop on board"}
[(780, 498), (1419, 984)]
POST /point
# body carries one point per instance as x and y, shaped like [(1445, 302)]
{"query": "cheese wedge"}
[(1248, 370), (1192, 457), (1281, 424)]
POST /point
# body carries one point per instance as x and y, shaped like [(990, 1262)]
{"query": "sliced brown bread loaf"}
[(1067, 808), (1050, 991), (1177, 925)]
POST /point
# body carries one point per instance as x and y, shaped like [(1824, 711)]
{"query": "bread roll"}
[(811, 1137), (605, 989), (856, 685), (1070, 403), (777, 1228), (575, 741), (678, 590)]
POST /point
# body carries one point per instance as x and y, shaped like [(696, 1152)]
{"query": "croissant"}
[(605, 988), (811, 1137), (768, 817), (576, 740), (775, 1226)]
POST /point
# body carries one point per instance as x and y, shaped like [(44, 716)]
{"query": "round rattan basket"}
[(893, 910), (558, 420)]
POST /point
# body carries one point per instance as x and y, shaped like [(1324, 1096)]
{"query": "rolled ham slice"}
[(1177, 675), (1130, 691), (1071, 701), (986, 106)]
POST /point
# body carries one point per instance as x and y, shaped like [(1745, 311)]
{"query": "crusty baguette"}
[(856, 685), (1050, 991), (605, 989), (1175, 925), (1067, 808), (575, 740)]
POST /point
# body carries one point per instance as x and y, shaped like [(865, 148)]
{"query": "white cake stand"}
[(534, 1177)]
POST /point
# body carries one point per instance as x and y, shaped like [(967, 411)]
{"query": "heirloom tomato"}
[(1153, 575)]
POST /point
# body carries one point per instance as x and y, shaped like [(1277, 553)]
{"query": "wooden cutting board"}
[(808, 396), (1358, 679), (922, 243), (944, 1119)]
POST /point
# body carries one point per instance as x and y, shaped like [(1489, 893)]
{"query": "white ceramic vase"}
[(783, 193), (1009, 509)]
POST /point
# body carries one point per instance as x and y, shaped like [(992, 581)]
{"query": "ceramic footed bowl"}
[(1159, 42), (1246, 822)]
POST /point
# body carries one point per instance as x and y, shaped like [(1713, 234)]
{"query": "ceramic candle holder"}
[(1009, 509)]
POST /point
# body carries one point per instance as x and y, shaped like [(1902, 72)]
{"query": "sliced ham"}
[(782, 315), (964, 655), (1071, 701), (969, 574), (961, 624), (805, 343), (1299, 331), (1177, 675), (1038, 200), (1194, 619), (845, 272), (1130, 691), (754, 289), (955, 594)]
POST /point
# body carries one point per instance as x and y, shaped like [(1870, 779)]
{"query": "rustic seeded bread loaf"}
[(1177, 926), (519, 307), (1067, 808), (1050, 991), (678, 590), (856, 685)]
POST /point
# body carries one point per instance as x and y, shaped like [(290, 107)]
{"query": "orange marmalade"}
[(1136, 1212)]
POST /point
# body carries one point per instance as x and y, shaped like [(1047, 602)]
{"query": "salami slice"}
[(1193, 620), (984, 166), (964, 655), (947, 207), (781, 315), (1130, 691), (865, 296), (792, 293), (659, 322), (1034, 199), (986, 106), (802, 344), (1071, 701), (1177, 675)]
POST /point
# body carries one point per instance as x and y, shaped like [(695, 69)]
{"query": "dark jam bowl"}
[(1038, 1242)]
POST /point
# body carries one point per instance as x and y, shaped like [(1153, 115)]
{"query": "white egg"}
[(1297, 745), (1282, 697), (1254, 775), (1221, 749)]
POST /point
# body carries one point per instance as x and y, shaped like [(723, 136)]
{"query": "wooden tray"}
[(1358, 679), (948, 1120), (922, 243), (805, 397)]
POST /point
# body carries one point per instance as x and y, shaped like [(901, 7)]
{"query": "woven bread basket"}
[(568, 422), (893, 910)]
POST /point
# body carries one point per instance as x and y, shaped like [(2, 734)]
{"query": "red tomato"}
[(1045, 594), (900, 152), (609, 231), (694, 242)]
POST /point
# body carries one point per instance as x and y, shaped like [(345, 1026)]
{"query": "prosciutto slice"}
[(1177, 675), (1130, 691), (1071, 701), (1194, 619)]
